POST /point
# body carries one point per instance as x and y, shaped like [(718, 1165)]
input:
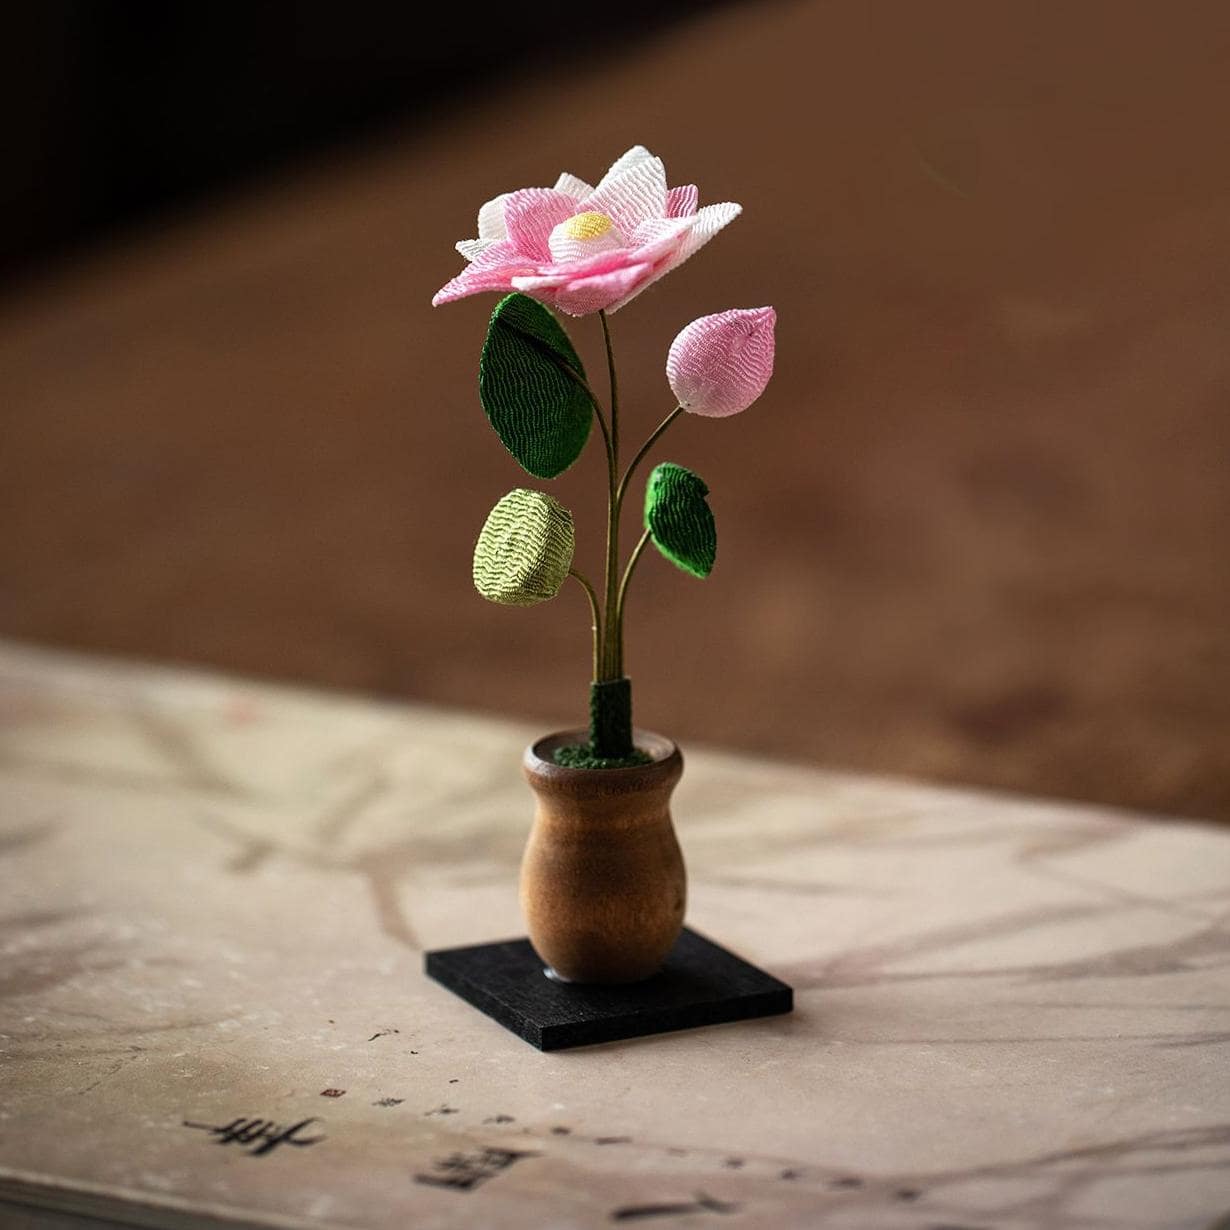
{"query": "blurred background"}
[(976, 530)]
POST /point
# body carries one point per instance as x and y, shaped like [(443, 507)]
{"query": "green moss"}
[(580, 756)]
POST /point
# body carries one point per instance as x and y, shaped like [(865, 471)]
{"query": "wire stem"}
[(606, 436), (633, 560), (640, 456), (612, 663), (597, 618), (611, 459)]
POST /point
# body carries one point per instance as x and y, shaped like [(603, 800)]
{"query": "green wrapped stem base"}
[(610, 731), (610, 718)]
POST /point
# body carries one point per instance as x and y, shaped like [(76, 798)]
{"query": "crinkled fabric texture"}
[(524, 550), (541, 414), (581, 756), (720, 364), (610, 730), (679, 520), (610, 718), (582, 249)]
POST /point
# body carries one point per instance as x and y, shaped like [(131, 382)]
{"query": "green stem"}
[(597, 618), (606, 436), (640, 456), (609, 435), (610, 369), (612, 664), (614, 628), (633, 560), (610, 714)]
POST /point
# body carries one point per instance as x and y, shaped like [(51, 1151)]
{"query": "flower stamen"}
[(589, 225)]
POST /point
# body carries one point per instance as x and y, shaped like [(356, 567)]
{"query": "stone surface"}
[(700, 984), (215, 896)]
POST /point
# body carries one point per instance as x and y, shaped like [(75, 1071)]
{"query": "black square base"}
[(700, 984)]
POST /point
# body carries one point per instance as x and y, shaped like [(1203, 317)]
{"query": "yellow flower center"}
[(587, 226)]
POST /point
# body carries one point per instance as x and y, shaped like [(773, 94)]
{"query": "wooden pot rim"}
[(664, 767)]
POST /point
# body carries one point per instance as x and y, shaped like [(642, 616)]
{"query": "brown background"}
[(975, 530)]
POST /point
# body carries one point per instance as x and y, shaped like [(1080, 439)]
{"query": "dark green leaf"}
[(679, 520), (540, 412)]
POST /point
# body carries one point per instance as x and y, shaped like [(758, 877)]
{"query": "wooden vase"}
[(603, 887)]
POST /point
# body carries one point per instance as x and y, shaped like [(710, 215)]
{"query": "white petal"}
[(574, 187), (530, 281), (708, 221), (625, 162), (470, 248), (491, 219), (634, 196)]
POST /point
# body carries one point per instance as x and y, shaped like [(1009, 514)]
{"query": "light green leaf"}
[(524, 550)]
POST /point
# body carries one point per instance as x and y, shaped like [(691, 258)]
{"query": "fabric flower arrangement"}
[(584, 250)]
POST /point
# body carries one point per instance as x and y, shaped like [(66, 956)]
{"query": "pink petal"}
[(704, 225), (492, 269), (655, 272), (682, 202), (582, 296), (531, 214), (664, 241), (664, 255), (560, 274)]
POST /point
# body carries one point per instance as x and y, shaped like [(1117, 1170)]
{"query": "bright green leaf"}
[(679, 520), (538, 410)]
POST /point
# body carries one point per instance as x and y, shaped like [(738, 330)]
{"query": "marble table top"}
[(214, 897)]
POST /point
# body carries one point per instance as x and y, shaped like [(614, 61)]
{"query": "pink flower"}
[(719, 365), (583, 249)]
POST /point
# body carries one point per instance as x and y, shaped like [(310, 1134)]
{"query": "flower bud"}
[(719, 365)]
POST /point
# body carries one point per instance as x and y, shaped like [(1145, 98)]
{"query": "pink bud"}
[(719, 365)]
